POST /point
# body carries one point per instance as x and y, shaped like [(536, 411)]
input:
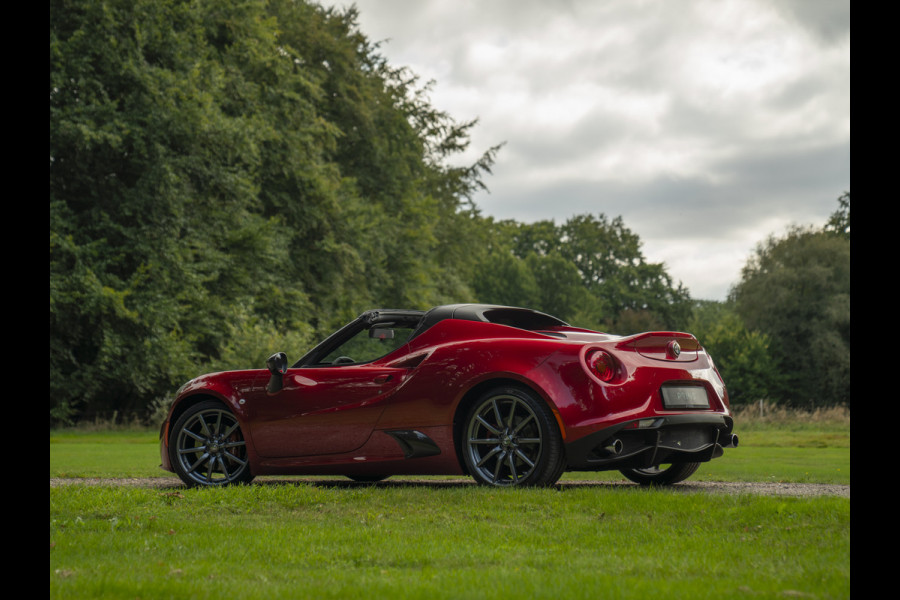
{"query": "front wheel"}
[(510, 437), (661, 474), (207, 447)]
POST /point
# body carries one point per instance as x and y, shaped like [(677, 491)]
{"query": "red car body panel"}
[(402, 413)]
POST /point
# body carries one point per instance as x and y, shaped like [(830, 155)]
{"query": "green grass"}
[(311, 538), (784, 455), (130, 453), (311, 541)]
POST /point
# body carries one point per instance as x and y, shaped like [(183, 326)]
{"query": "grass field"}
[(309, 540)]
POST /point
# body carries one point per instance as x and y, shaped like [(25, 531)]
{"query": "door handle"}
[(383, 378)]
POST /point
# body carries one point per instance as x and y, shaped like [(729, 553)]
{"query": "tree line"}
[(229, 179)]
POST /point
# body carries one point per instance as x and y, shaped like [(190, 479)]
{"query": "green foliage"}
[(796, 290), (219, 169), (839, 222), (502, 278), (742, 356), (589, 271)]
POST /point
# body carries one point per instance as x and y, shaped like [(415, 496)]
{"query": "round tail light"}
[(602, 364)]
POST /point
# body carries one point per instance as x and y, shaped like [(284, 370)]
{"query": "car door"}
[(322, 410)]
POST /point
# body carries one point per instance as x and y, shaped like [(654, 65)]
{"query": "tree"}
[(796, 290), (742, 356), (502, 278), (223, 173), (591, 270), (839, 222), (153, 202)]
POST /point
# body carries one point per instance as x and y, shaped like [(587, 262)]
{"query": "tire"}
[(510, 438), (368, 478), (207, 447), (661, 475)]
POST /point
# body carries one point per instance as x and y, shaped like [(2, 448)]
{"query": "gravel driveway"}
[(721, 487)]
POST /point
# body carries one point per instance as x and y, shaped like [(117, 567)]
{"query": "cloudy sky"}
[(706, 124)]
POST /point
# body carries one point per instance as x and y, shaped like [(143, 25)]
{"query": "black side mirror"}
[(277, 364)]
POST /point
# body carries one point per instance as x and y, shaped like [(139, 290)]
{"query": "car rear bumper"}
[(643, 443)]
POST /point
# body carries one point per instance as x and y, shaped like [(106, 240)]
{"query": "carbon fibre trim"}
[(415, 444), (668, 439)]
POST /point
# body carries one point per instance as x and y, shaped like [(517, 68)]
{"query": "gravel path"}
[(767, 488)]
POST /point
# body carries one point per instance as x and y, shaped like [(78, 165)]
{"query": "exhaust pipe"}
[(613, 447), (729, 440)]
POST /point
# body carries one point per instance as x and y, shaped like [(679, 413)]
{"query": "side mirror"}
[(277, 364)]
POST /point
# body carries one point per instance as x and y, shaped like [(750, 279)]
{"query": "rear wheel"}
[(661, 474), (207, 447), (511, 438)]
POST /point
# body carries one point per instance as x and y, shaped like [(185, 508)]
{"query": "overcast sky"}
[(707, 125)]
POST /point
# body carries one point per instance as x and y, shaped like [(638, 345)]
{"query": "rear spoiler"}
[(663, 345)]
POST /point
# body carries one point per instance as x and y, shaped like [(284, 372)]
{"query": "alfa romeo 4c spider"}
[(509, 396)]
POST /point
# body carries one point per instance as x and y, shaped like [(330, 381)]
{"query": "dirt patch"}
[(721, 487)]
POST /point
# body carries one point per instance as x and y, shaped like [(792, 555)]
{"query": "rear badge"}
[(673, 349)]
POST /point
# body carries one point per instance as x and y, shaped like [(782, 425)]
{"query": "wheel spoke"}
[(524, 458), (231, 430), (497, 467), (224, 464), (511, 458), (487, 425), (203, 426), (198, 463), (512, 413), (199, 438), (239, 461), (497, 413), (523, 422), (488, 456)]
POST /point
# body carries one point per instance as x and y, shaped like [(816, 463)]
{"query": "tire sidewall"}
[(675, 473)]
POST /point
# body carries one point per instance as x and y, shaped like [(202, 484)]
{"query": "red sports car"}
[(510, 396)]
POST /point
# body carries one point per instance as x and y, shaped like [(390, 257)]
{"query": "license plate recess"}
[(684, 396)]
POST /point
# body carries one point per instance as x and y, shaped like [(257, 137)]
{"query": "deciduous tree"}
[(796, 290), (221, 169)]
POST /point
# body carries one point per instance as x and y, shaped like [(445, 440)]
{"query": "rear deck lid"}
[(671, 346)]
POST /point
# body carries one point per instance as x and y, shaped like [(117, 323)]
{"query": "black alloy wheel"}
[(511, 438), (207, 447)]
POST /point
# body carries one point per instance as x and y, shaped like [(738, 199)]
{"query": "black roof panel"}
[(521, 318)]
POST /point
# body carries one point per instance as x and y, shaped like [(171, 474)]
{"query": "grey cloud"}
[(829, 20), (766, 147)]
